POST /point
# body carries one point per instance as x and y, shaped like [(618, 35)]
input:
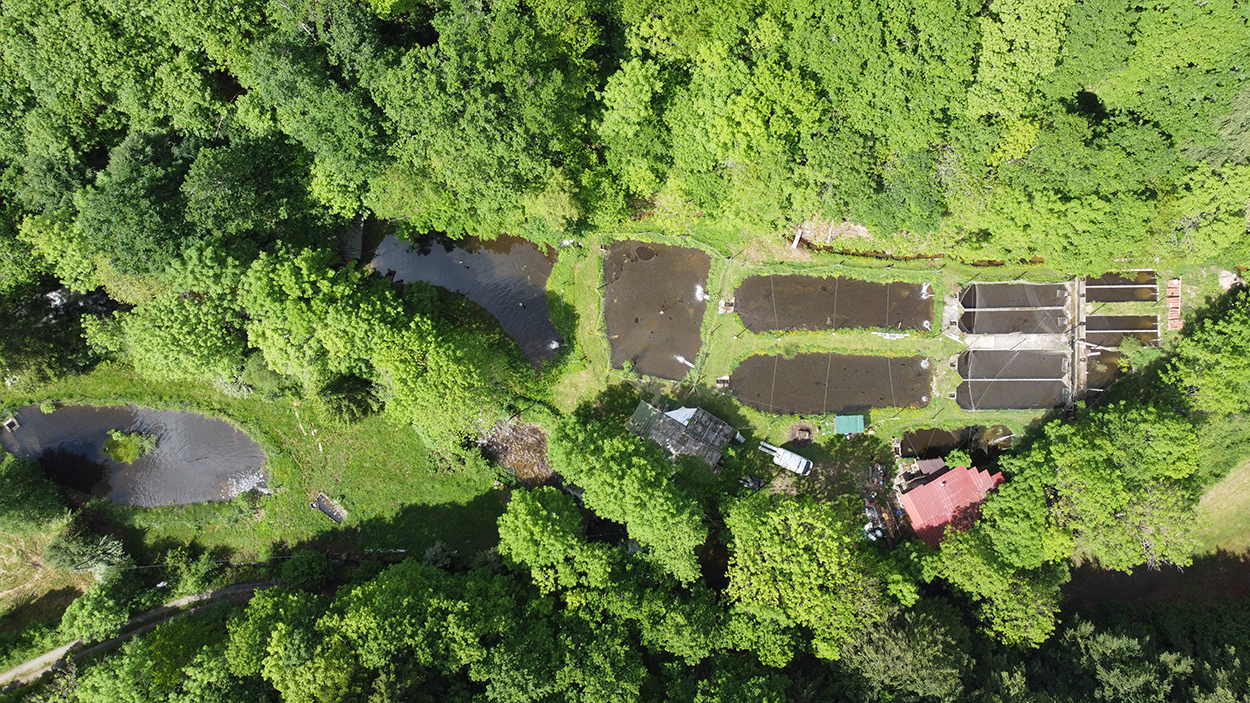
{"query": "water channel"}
[(197, 459), (507, 276)]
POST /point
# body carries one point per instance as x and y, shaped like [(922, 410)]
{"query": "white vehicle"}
[(787, 459)]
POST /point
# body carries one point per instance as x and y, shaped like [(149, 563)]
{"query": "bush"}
[(349, 399), (191, 576), (307, 570), (28, 500), (97, 614), (127, 447), (958, 457), (440, 555), (82, 553), (1135, 356)]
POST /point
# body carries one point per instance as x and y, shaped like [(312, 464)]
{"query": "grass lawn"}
[(33, 595), (1225, 510), (30, 590), (396, 495)]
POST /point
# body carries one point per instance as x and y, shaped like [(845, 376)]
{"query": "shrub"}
[(97, 614), (127, 447), (958, 457), (440, 555), (82, 553), (307, 570), (191, 576), (28, 500)]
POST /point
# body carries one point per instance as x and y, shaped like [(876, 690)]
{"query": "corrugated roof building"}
[(945, 498), (692, 431)]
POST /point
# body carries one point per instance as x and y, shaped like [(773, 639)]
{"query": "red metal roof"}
[(936, 504)]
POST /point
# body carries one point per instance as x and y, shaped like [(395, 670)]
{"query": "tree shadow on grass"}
[(46, 609), (1212, 578), (467, 527)]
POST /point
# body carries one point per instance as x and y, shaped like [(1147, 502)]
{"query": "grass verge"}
[(1225, 510)]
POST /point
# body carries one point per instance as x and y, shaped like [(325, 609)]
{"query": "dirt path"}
[(30, 671)]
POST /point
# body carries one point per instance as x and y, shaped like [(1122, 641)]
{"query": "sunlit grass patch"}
[(1225, 511)]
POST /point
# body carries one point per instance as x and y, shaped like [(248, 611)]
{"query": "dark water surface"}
[(791, 302), (983, 444), (653, 305), (197, 459), (507, 276), (821, 383), (1116, 288), (934, 443), (1110, 330), (1104, 369)]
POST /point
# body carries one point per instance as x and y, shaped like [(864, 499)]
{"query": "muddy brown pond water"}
[(822, 383), (653, 305), (791, 302), (197, 459), (507, 276)]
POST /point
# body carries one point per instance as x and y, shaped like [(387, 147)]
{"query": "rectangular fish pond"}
[(818, 383), (792, 302), (507, 276), (1120, 288), (1110, 330), (197, 459), (1013, 380), (653, 304), (1015, 308)]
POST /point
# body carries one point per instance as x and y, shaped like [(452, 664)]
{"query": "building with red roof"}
[(945, 499)]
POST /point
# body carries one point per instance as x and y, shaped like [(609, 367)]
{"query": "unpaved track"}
[(30, 671)]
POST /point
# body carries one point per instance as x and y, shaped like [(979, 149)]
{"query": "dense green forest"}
[(188, 167)]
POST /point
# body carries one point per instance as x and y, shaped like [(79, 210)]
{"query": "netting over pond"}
[(827, 383), (791, 302), (1014, 380), (1016, 308)]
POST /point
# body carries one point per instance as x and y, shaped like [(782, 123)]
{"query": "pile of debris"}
[(522, 447)]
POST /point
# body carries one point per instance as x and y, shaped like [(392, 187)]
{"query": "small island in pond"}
[(127, 447)]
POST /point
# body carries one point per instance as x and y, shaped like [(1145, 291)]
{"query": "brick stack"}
[(1174, 305)]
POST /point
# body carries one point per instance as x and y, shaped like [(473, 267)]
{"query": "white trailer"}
[(787, 459)]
